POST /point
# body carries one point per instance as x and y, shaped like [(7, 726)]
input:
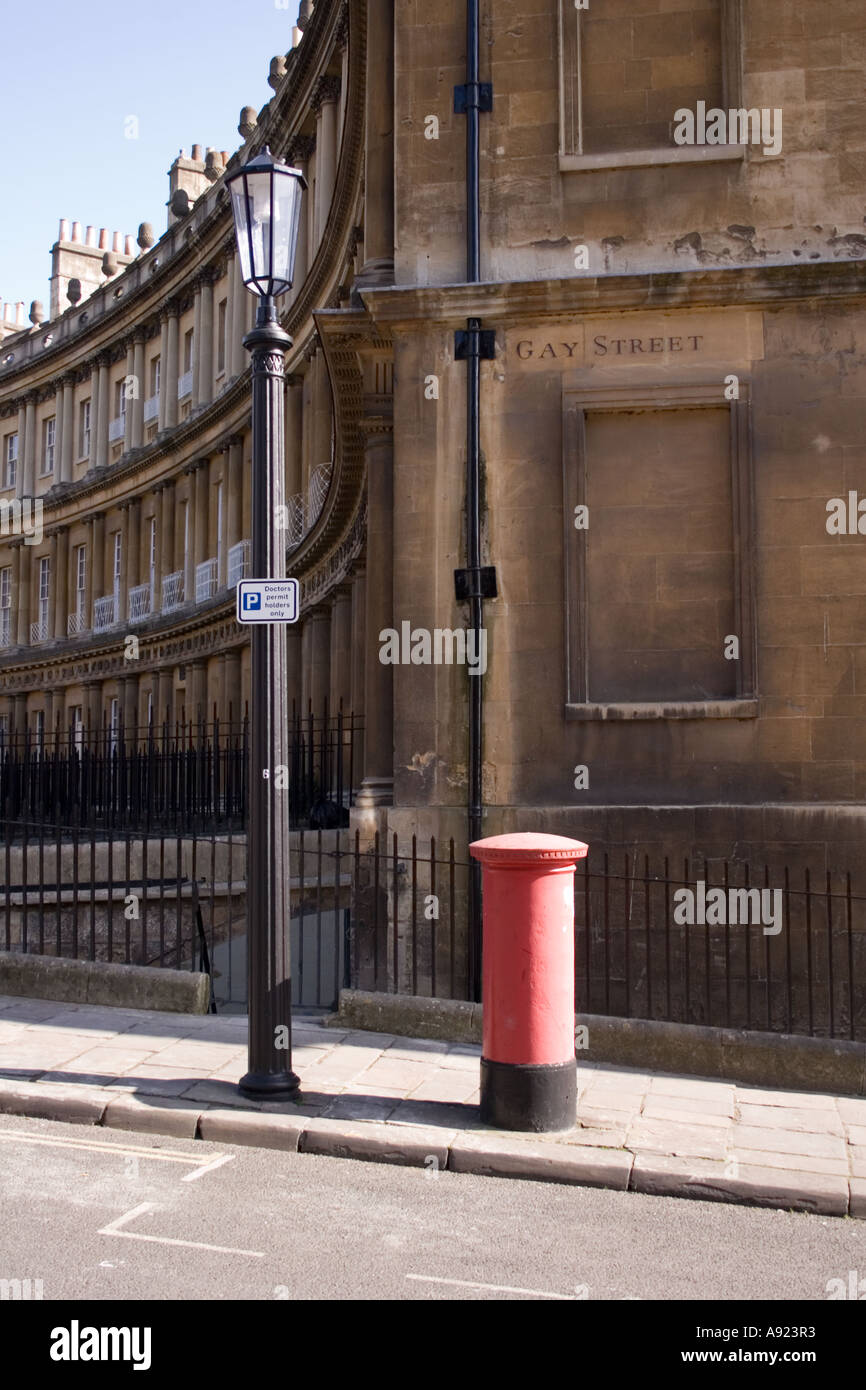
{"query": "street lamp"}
[(266, 201)]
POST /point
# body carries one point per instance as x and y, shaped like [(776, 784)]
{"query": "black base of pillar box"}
[(526, 1096)]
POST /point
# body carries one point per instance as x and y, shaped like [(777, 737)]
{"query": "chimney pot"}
[(103, 239), (64, 229), (76, 231), (117, 242), (196, 153), (129, 246), (90, 237)]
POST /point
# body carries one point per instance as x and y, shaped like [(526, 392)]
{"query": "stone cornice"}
[(537, 300)]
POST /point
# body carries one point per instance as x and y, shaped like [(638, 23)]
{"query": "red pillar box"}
[(528, 1065)]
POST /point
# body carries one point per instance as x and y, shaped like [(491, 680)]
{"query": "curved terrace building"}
[(125, 428), (660, 330)]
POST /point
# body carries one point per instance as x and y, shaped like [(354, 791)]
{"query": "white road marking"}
[(160, 1155), (113, 1229), (208, 1167), (496, 1288)]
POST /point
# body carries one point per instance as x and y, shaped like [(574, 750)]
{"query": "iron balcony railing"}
[(104, 612), (205, 580), (5, 627), (151, 408), (184, 386), (116, 428), (172, 591), (139, 603), (76, 623), (239, 563), (40, 631)]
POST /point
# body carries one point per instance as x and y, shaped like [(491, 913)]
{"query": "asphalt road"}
[(99, 1214)]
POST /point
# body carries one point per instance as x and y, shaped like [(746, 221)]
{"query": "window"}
[(625, 73), (120, 399), (114, 723), (154, 377), (48, 436), (44, 593), (221, 335), (84, 430), (80, 587), (151, 549), (118, 560), (188, 350), (10, 460), (76, 726), (5, 604), (219, 528)]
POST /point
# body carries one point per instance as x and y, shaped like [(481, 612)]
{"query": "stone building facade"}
[(676, 655)]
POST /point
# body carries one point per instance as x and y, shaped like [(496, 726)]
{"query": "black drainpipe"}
[(474, 583)]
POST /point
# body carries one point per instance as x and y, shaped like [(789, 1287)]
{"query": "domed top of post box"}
[(526, 847)]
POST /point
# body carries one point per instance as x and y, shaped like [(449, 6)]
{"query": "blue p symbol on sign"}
[(252, 602)]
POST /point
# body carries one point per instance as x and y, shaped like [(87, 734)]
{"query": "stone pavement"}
[(412, 1101)]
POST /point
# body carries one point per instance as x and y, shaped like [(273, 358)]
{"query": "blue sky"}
[(71, 77)]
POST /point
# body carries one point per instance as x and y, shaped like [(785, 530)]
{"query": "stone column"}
[(93, 708), (326, 95), (60, 714), (306, 640), (60, 571), (22, 441), (319, 623), (163, 368), (131, 386), (67, 435), (235, 491), (59, 423), (223, 522), (122, 612), (196, 343), (237, 361), (136, 568), (19, 715), (97, 564), (308, 441), (100, 426), (204, 345), (25, 562), (378, 265), (294, 434), (233, 708), (341, 650), (191, 556), (129, 707), (27, 459), (196, 689), (359, 649), (230, 309), (169, 369), (135, 407), (378, 784), (294, 668), (299, 154), (322, 411), (165, 538), (15, 549)]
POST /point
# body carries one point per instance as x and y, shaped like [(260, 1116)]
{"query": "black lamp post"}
[(266, 201)]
